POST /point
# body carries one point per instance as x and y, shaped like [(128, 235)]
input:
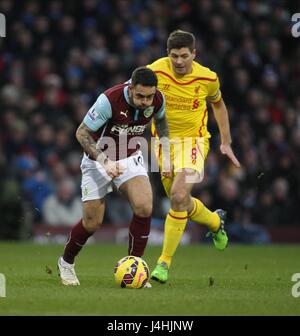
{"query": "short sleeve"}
[(99, 113), (214, 93)]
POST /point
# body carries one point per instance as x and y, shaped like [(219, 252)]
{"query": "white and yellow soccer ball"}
[(131, 272)]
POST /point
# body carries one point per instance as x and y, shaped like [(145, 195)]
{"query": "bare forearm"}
[(221, 115), (161, 127), (88, 144)]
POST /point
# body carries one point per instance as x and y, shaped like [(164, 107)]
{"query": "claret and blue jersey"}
[(113, 116)]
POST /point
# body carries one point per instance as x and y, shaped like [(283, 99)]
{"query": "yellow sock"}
[(200, 214), (174, 226)]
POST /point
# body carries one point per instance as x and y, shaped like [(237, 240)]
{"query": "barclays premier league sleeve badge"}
[(93, 114)]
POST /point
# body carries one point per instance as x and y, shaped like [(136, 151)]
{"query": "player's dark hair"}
[(143, 76), (181, 39)]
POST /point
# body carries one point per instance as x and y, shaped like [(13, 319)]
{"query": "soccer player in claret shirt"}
[(187, 86), (119, 115)]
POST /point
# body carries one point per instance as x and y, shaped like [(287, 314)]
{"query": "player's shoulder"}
[(115, 91), (202, 71), (160, 64)]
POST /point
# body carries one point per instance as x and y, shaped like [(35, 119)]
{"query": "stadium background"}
[(58, 56)]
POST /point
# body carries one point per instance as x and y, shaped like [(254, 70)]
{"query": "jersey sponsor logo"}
[(129, 130), (93, 114), (148, 111)]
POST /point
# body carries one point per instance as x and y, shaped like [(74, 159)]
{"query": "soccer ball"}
[(131, 272)]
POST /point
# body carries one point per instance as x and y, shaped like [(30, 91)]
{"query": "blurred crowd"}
[(58, 56)]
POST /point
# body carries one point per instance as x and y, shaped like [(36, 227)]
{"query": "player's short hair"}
[(181, 39), (143, 76)]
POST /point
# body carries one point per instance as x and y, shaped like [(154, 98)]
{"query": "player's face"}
[(141, 96), (182, 60)]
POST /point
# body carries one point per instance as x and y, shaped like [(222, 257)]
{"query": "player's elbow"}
[(77, 134)]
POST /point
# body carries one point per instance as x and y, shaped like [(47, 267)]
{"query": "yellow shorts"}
[(185, 153)]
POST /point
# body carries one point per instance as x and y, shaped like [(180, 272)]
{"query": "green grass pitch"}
[(243, 280)]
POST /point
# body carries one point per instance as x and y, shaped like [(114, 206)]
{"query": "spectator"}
[(63, 207), (60, 57)]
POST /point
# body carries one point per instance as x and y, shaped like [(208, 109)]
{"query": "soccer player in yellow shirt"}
[(188, 86)]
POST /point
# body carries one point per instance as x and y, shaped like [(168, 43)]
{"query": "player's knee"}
[(178, 198), (143, 210), (91, 224)]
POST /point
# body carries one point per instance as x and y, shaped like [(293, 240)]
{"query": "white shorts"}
[(96, 183)]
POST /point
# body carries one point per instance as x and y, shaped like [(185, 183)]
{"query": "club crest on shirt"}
[(148, 111), (197, 89)]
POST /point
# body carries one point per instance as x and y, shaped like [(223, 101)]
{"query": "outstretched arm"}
[(221, 115)]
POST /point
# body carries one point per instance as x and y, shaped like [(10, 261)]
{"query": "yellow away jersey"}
[(186, 96)]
